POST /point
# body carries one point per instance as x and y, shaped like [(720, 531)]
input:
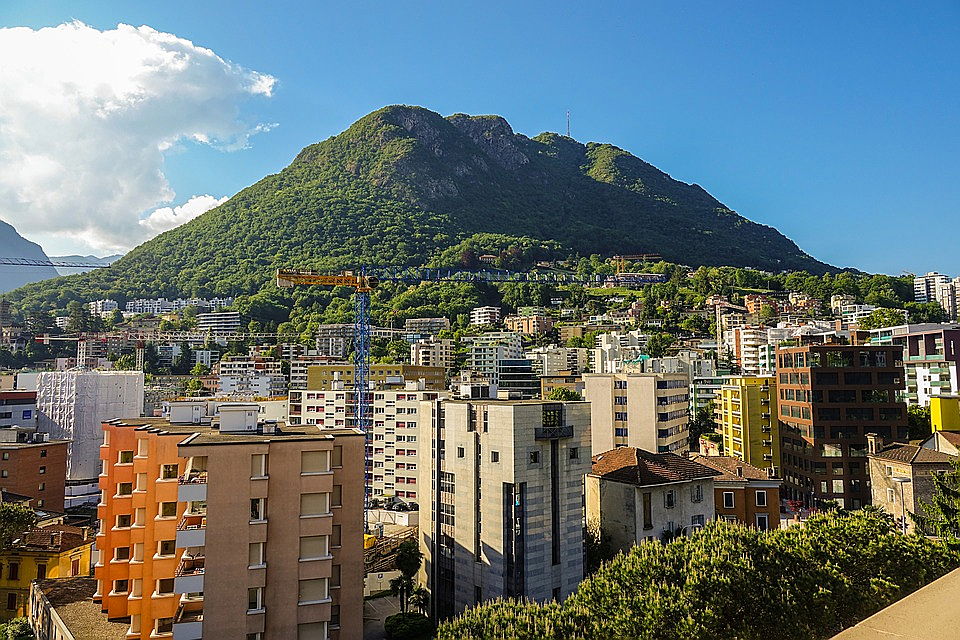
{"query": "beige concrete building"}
[(432, 353), (644, 410), (396, 444), (322, 377), (635, 495), (505, 494), (901, 475), (266, 535)]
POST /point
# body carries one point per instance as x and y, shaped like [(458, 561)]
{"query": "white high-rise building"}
[(925, 286), (71, 405), (488, 349), (614, 348)]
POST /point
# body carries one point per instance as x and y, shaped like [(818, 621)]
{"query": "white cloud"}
[(86, 116), (165, 218)]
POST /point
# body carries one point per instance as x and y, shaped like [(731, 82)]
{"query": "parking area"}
[(375, 612)]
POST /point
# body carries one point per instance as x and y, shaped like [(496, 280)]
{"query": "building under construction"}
[(72, 405)]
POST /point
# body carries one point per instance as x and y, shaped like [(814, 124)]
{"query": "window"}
[(119, 586), (335, 616), (761, 498), (164, 625), (314, 590), (647, 511), (6, 455), (574, 453), (336, 498), (41, 571), (4, 474), (254, 599), (763, 521), (696, 521), (494, 456), (312, 631), (255, 636), (460, 452), (121, 553), (141, 482), (13, 571), (728, 499), (42, 486), (335, 536), (696, 493), (335, 575), (337, 456), (137, 590), (168, 509), (314, 504), (837, 486), (164, 586), (43, 452), (42, 470), (258, 465), (891, 495), (258, 509), (142, 447), (11, 602), (669, 499), (125, 457), (534, 457), (314, 461), (123, 521), (169, 472), (167, 548), (255, 555), (139, 516), (314, 547)]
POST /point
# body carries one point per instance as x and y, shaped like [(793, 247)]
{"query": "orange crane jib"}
[(289, 278)]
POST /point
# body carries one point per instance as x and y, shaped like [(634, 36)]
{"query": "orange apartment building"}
[(744, 493), (231, 527)]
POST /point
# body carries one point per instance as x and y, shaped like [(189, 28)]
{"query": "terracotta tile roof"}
[(728, 465), (55, 537), (913, 454), (952, 437), (636, 466)]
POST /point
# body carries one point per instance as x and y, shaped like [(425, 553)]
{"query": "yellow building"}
[(746, 413), (945, 413), (51, 551), (321, 377)]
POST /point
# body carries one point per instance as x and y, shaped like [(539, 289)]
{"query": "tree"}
[(597, 547), (409, 557), (658, 344), (402, 587), (563, 394), (14, 520), (921, 312), (701, 423), (766, 313), (199, 369), (125, 362), (882, 318), (918, 420), (941, 515), (16, 629), (419, 599)]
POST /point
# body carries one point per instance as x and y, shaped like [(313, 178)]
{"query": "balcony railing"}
[(194, 477), (190, 566), (553, 433)]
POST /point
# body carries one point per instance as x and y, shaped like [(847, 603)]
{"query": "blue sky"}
[(839, 124)]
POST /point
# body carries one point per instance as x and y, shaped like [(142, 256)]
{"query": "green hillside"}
[(404, 185)]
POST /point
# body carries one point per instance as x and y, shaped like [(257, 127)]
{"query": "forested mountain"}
[(13, 245), (404, 185)]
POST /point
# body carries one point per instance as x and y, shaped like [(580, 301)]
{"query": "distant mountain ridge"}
[(66, 271), (13, 245), (404, 185)]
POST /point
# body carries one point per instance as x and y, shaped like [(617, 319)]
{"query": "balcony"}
[(188, 624), (553, 433), (192, 486), (192, 531), (189, 575)]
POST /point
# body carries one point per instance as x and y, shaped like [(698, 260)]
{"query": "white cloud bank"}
[(86, 116)]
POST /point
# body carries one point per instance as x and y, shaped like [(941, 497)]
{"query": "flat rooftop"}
[(930, 612), (72, 598), (210, 433)]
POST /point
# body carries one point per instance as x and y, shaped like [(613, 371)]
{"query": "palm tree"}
[(420, 599), (402, 586)]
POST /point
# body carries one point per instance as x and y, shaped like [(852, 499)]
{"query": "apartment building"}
[(746, 414), (336, 340), (635, 495), (745, 344), (744, 493), (18, 408), (52, 550), (487, 350), (612, 349), (265, 386), (300, 365), (323, 377), (240, 365), (100, 307), (901, 475), (71, 406), (644, 410), (931, 358), (218, 321), (504, 481), (33, 466), (530, 325), (571, 383), (396, 453), (426, 325), (830, 398), (481, 316), (555, 361), (230, 529), (925, 286), (435, 352)]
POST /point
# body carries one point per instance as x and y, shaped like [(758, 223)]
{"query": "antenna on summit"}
[(568, 123)]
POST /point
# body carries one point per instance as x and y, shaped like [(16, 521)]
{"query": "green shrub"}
[(408, 626)]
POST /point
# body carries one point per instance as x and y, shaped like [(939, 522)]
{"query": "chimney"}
[(874, 443)]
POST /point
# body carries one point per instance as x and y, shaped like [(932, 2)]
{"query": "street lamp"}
[(903, 507)]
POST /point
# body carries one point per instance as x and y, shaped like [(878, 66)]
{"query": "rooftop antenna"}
[(568, 123)]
